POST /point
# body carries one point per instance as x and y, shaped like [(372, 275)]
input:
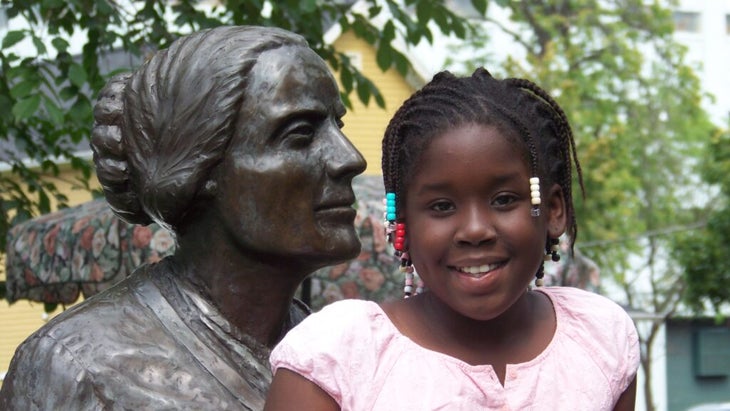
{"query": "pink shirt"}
[(352, 351)]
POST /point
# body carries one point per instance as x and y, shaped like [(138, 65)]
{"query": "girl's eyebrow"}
[(429, 187), (497, 180)]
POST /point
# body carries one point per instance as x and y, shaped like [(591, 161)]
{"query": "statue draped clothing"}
[(150, 342)]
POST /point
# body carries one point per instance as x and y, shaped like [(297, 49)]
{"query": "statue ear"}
[(210, 189)]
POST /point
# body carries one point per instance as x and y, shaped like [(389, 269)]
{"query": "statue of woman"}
[(231, 139)]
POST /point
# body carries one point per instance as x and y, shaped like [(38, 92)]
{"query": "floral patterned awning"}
[(85, 249)]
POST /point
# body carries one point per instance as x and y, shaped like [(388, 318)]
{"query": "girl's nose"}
[(475, 227)]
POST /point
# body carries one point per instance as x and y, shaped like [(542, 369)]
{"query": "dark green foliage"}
[(703, 254)]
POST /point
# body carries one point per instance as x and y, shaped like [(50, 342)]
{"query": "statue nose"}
[(343, 157)]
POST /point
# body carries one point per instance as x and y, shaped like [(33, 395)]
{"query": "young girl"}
[(478, 179)]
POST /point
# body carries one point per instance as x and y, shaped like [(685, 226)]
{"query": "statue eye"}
[(300, 135)]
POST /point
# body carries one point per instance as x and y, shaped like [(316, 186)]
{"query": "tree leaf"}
[(27, 107), (12, 38), (54, 113), (308, 6), (363, 91), (23, 88), (40, 46), (77, 75), (346, 79), (480, 6), (60, 44), (384, 56)]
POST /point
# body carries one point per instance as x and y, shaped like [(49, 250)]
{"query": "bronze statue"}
[(231, 139)]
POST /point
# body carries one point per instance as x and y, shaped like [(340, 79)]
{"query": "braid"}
[(561, 170)]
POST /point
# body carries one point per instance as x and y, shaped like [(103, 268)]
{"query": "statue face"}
[(285, 184)]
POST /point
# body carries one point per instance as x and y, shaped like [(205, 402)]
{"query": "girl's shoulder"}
[(584, 305), (341, 326), (342, 348), (595, 324), (351, 314)]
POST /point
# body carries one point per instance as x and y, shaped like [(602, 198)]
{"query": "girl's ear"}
[(556, 212)]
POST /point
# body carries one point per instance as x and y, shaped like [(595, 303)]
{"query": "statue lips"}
[(337, 208)]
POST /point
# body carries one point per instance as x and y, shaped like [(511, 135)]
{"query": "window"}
[(727, 24), (687, 21), (712, 352)]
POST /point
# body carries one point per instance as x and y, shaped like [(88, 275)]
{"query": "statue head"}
[(237, 124)]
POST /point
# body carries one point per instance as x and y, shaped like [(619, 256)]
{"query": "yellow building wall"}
[(19, 320), (364, 125)]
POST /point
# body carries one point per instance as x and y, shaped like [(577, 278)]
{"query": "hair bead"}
[(535, 196)]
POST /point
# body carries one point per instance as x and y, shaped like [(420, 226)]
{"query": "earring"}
[(535, 196), (538, 277), (551, 254), (552, 250)]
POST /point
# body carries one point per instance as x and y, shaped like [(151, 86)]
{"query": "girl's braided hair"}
[(518, 108)]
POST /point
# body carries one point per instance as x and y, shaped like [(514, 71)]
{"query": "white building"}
[(704, 27)]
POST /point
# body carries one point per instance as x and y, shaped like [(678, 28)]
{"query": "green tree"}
[(46, 93), (702, 254), (635, 106)]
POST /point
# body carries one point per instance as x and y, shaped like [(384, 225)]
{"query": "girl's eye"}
[(441, 206), (504, 200)]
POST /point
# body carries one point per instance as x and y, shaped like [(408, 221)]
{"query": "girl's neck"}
[(510, 325)]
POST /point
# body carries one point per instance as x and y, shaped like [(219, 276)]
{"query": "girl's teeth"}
[(476, 270)]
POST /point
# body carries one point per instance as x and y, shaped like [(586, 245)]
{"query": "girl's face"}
[(284, 191), (469, 230)]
